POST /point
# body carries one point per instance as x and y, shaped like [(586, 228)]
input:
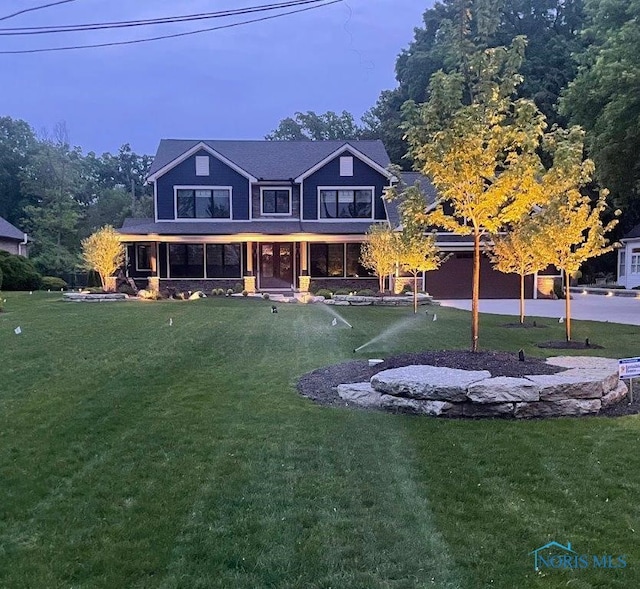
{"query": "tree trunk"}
[(475, 291), (521, 299), (567, 307), (381, 283), (415, 293)]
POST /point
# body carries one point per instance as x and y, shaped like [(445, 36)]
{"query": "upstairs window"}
[(203, 203), (202, 165), (346, 204), (346, 166), (276, 201)]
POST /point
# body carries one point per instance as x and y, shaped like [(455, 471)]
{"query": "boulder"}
[(503, 389), (361, 394), (578, 384), (424, 382), (608, 378), (487, 410), (561, 408), (616, 395), (433, 408)]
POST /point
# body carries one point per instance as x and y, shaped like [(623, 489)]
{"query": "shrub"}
[(406, 288), (245, 293), (18, 272), (366, 292), (0, 278), (230, 291), (265, 296), (238, 287), (150, 295), (557, 289), (53, 283), (324, 292), (314, 287), (342, 291)]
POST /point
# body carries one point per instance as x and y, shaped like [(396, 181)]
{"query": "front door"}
[(276, 265)]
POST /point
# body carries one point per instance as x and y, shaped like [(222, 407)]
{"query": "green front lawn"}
[(135, 454)]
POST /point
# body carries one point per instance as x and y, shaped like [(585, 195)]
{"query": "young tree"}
[(571, 226), (520, 252), (480, 151), (103, 252), (379, 253), (417, 253)]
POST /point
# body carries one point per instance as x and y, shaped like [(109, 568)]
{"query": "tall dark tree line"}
[(60, 195)]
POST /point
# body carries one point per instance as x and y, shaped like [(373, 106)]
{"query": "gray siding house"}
[(12, 240), (274, 215)]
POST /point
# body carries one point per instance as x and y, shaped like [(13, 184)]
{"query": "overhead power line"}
[(34, 8), (50, 29), (174, 35)]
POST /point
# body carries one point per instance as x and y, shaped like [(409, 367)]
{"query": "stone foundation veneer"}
[(586, 386)]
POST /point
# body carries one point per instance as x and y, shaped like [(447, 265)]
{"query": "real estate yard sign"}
[(629, 367)]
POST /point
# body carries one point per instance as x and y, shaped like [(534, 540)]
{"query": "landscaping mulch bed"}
[(319, 385), (572, 345)]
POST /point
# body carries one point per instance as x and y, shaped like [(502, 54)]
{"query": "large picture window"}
[(276, 201), (336, 260), (223, 260), (354, 203), (186, 260), (203, 203)]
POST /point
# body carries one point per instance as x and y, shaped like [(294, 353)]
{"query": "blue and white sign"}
[(629, 368)]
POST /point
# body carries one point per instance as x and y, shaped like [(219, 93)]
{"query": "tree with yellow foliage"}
[(379, 252), (520, 251), (571, 226), (103, 252), (480, 150)]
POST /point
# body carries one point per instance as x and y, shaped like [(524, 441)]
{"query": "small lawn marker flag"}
[(17, 330), (435, 317), (334, 322), (561, 320), (170, 321)]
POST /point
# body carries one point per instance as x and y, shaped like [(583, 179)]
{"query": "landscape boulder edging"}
[(587, 385)]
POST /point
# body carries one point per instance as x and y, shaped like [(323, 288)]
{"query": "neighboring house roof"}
[(269, 160), (634, 233), (148, 226), (8, 231), (409, 179)]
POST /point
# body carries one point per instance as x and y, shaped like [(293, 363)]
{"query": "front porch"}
[(271, 263)]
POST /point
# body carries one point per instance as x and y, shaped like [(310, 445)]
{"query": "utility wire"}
[(173, 36), (34, 8), (45, 30)]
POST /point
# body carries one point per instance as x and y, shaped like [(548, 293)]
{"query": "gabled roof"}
[(7, 230), (269, 160), (634, 233), (409, 179)]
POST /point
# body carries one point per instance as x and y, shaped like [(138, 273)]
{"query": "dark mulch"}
[(320, 384), (624, 407), (565, 345), (524, 325)]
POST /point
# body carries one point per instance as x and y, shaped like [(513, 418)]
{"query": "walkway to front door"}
[(276, 265)]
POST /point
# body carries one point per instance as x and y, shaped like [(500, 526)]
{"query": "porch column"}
[(250, 277), (304, 280), (153, 258)]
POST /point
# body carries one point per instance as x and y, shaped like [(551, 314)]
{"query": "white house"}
[(629, 259)]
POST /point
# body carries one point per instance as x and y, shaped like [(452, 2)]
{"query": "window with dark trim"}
[(186, 260), (143, 256), (223, 260), (336, 260), (276, 202), (346, 204), (203, 203)]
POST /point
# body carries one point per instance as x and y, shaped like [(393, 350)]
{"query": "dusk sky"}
[(236, 83)]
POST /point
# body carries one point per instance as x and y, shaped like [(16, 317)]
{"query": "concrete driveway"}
[(612, 309)]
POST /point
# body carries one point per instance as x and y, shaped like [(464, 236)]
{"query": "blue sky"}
[(231, 84)]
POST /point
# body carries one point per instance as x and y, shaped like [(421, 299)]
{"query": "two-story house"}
[(12, 240), (274, 215)]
